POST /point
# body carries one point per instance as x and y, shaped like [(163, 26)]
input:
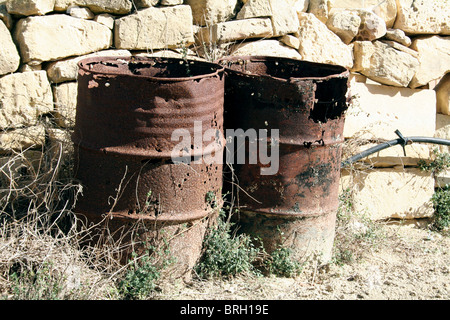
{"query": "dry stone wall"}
[(398, 52)]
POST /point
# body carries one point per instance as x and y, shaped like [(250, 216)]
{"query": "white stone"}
[(97, 6), (9, 56), (386, 9), (434, 58), (22, 138), (29, 7), (398, 36), (23, 98), (171, 2), (300, 5), (284, 19), (383, 63), (236, 30), (319, 44), (442, 131), (155, 28), (209, 12), (398, 192), (146, 3), (255, 9), (401, 47), (105, 19), (65, 100), (80, 13), (372, 26), (345, 24), (271, 48), (291, 41), (443, 95), (67, 69), (423, 16), (52, 37), (30, 67), (378, 110)]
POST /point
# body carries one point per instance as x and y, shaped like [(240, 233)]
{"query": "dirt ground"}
[(410, 263)]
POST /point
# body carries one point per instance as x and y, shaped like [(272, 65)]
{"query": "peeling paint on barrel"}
[(306, 102), (127, 110)]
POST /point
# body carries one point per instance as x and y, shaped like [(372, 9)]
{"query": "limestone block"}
[(319, 44), (65, 99), (300, 5), (386, 9), (30, 67), (284, 19), (320, 8), (155, 28), (398, 36), (105, 19), (443, 95), (273, 48), (9, 56), (442, 179), (29, 7), (23, 98), (145, 3), (345, 24), (401, 47), (171, 2), (378, 110), (67, 69), (255, 9), (22, 138), (236, 30), (45, 38), (96, 6), (383, 63), (442, 131), (372, 26), (434, 58), (209, 12), (80, 12), (423, 16), (398, 192), (393, 156), (291, 41)]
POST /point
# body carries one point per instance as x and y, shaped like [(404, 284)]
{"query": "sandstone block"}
[(65, 100), (6, 17), (45, 38), (284, 19), (423, 17), (80, 12), (434, 59), (291, 41), (383, 63), (319, 44), (146, 3), (273, 48), (300, 5), (209, 12), (398, 192), (398, 36), (442, 131), (443, 95), (105, 19), (29, 7), (255, 9), (171, 2), (378, 110), (320, 8), (9, 56), (236, 30), (96, 6), (155, 28), (345, 24), (67, 69), (372, 26), (23, 98)]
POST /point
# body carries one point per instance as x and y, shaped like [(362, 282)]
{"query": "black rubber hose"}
[(402, 141)]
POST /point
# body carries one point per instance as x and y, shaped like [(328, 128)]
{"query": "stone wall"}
[(397, 50)]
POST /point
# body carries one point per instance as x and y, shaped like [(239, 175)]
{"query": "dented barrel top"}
[(157, 68), (283, 69)]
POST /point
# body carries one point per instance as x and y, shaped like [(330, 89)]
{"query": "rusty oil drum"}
[(127, 111), (306, 102)]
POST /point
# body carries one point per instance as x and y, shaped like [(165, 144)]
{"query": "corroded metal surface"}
[(127, 111), (306, 102)]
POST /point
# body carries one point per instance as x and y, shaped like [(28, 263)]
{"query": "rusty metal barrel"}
[(295, 206), (128, 113)]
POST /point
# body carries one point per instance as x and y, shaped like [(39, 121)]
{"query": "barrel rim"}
[(81, 66), (344, 72)]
